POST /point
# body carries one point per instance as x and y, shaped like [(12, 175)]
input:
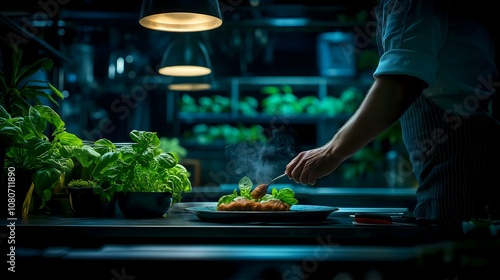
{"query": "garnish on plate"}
[(277, 200)]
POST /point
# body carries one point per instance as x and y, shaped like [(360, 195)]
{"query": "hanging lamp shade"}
[(180, 15), (197, 83), (186, 57)]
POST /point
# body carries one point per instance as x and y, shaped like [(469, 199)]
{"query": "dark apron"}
[(456, 163)]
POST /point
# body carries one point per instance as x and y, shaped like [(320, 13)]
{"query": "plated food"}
[(298, 214), (277, 200)]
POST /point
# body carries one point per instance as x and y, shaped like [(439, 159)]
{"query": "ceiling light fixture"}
[(180, 15), (186, 57), (198, 83)]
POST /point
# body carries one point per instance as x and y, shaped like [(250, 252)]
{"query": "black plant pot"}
[(144, 204), (84, 202)]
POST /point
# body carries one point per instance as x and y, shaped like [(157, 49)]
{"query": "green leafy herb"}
[(17, 90), (286, 195), (29, 149), (141, 166), (79, 183)]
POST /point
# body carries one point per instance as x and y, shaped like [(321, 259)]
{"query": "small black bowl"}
[(144, 204)]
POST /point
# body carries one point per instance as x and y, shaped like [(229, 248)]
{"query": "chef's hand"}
[(311, 165)]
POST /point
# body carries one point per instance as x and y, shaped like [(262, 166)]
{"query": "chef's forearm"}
[(385, 102)]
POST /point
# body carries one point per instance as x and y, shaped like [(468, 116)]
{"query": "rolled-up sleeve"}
[(408, 62), (411, 36)]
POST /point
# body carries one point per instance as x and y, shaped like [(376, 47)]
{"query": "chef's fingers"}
[(299, 169), (294, 168), (292, 164), (311, 180), (308, 176)]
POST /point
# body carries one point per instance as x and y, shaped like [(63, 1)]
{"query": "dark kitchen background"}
[(285, 76)]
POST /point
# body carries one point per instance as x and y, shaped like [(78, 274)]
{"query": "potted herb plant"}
[(24, 122), (39, 161), (83, 201), (145, 180), (81, 187)]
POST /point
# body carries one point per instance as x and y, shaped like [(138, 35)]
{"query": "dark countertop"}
[(182, 226), (266, 250)]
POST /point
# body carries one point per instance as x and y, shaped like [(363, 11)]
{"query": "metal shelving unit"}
[(320, 125)]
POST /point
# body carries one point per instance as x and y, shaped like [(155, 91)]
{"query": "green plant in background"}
[(367, 59), (280, 100), (345, 104), (140, 167), (350, 98), (311, 105), (17, 92), (205, 104), (188, 104), (393, 135), (173, 146), (330, 106), (370, 159), (365, 161), (248, 106), (229, 134), (360, 17)]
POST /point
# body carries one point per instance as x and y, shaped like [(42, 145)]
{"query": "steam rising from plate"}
[(260, 161)]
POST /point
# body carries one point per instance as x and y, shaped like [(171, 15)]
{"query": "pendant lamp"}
[(197, 83), (186, 57), (180, 15)]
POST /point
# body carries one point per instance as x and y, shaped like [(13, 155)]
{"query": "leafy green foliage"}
[(9, 127), (86, 158), (24, 122), (367, 59), (79, 183), (283, 101), (141, 167), (173, 146), (370, 159), (31, 150), (245, 185), (286, 195), (280, 100), (17, 92), (248, 106), (208, 134), (205, 104), (367, 160)]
